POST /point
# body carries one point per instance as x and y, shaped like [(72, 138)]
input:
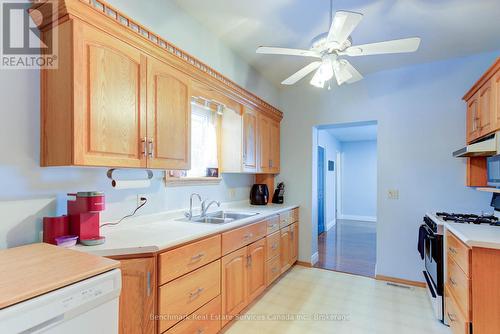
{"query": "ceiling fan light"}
[(317, 80), (341, 73)]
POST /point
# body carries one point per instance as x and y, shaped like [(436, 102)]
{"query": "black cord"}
[(144, 201)]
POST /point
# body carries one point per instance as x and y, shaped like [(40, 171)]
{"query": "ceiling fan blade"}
[(288, 52), (301, 73), (394, 46), (343, 25), (355, 75)]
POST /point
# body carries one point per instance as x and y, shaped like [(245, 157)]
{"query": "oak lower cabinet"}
[(243, 278), (285, 249), (138, 295), (472, 291)]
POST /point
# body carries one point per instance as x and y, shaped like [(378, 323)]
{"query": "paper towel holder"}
[(149, 174)]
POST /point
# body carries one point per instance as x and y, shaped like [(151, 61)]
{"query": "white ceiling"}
[(448, 28), (353, 133)]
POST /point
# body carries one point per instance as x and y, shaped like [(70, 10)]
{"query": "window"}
[(204, 147)]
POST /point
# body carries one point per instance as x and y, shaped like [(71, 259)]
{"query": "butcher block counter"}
[(33, 270)]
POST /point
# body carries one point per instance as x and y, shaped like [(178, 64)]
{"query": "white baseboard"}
[(329, 225), (360, 218), (314, 258)]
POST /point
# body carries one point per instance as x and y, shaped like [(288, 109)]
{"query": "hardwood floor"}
[(349, 247)]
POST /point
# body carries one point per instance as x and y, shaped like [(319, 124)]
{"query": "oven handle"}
[(429, 284), (430, 233)]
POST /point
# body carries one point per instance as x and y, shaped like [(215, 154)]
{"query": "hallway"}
[(349, 246)]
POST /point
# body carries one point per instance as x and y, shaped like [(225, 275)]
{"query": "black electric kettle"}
[(259, 194)]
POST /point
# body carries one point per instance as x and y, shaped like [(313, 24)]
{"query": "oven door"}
[(433, 256)]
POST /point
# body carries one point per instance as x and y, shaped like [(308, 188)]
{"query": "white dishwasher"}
[(88, 306)]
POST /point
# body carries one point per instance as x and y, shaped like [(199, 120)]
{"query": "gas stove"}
[(464, 218)]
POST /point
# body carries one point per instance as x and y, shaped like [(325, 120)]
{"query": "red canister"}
[(54, 227)]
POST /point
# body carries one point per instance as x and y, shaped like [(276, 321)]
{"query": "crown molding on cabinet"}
[(113, 21)]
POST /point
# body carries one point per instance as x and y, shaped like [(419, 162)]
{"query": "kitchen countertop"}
[(153, 233), (485, 236), (33, 270)]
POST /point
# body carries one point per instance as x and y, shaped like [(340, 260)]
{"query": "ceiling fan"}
[(329, 47)]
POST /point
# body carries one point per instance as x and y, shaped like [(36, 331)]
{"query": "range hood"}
[(483, 148)]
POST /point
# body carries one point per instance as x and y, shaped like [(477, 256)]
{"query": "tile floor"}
[(349, 246), (365, 305)]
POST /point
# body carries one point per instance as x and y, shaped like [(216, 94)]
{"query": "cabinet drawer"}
[(182, 260), (242, 236), (186, 294), (459, 252), (459, 286), (456, 319), (206, 320), (273, 224), (286, 218), (272, 245), (273, 270)]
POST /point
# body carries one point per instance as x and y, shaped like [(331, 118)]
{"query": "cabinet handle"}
[(195, 294), (148, 283), (144, 146), (451, 316), (151, 148), (274, 270), (197, 257), (270, 163), (452, 250), (248, 236), (200, 331), (249, 260), (274, 246)]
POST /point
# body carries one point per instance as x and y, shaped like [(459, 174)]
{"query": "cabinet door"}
[(109, 100), (495, 90), (169, 117), (473, 118), (485, 109), (249, 140), (285, 248), (256, 269), (264, 132), (234, 284), (274, 146), (137, 298), (294, 243)]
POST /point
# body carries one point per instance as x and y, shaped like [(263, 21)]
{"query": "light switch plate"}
[(393, 194)]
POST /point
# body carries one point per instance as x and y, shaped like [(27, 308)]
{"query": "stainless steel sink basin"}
[(223, 217)]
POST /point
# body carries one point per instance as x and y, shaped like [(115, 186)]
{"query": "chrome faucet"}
[(189, 214), (204, 207)]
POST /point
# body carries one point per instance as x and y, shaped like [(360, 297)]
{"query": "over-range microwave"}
[(493, 166)]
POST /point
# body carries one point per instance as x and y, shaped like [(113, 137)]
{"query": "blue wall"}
[(359, 180)]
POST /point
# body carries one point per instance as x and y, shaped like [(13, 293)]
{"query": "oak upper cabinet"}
[(137, 298), (269, 145), (169, 117), (256, 269), (93, 110), (473, 127), (486, 113), (109, 104), (234, 284), (249, 140), (495, 89)]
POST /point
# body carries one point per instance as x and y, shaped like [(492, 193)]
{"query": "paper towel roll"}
[(130, 184)]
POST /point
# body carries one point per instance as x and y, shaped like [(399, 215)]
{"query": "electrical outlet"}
[(139, 196), (393, 194)]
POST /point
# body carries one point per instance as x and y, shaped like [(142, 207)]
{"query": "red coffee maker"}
[(84, 214)]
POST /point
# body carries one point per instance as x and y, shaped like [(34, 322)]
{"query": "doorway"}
[(347, 197), (321, 190)]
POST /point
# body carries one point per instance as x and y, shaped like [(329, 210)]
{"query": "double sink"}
[(222, 217)]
